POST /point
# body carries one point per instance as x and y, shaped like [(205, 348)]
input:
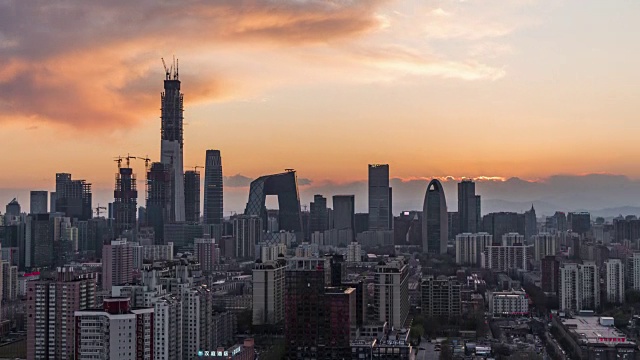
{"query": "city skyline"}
[(334, 69)]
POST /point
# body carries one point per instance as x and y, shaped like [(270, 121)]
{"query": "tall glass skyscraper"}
[(435, 220), (192, 196), (172, 141), (213, 201), (380, 212), (468, 207)]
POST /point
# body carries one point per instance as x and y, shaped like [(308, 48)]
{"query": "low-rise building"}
[(594, 338)]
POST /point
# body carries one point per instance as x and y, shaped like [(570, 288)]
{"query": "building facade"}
[(579, 287), (470, 247), (441, 297), (391, 292), (614, 281), (435, 226), (380, 209)]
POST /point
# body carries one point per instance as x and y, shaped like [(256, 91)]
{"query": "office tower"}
[(614, 281), (52, 201), (579, 287), (500, 223), (506, 258), (159, 198), (213, 195), (407, 228), (117, 264), (468, 205), (354, 252), (125, 204), (453, 219), (362, 222), (285, 186), (171, 146), (545, 245), (435, 222), (341, 302), (9, 281), (39, 202), (107, 333), (207, 253), (99, 232), (318, 214), (247, 230), (470, 247), (380, 210), (530, 224), (391, 293), (192, 196), (39, 241), (344, 212), (12, 209), (51, 305), (441, 297), (268, 292), (550, 278), (579, 222), (318, 320), (73, 197)]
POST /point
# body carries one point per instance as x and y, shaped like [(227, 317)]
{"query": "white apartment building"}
[(354, 252), (268, 292), (509, 239), (614, 281), (579, 286), (545, 245), (469, 247), (116, 332), (508, 303), (505, 258), (391, 292)]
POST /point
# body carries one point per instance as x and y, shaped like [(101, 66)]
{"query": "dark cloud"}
[(237, 180), (86, 63), (304, 181)]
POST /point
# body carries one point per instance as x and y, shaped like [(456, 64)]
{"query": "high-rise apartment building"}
[(247, 231), (508, 303), (192, 196), (579, 287), (435, 221), (73, 197), (354, 252), (391, 292), (550, 279), (117, 264), (468, 206), (545, 245), (39, 202), (511, 239), (506, 258), (125, 204), (117, 331), (470, 247), (208, 254), (441, 297), (268, 292), (380, 207), (614, 281), (213, 198), (50, 313), (171, 146), (9, 281)]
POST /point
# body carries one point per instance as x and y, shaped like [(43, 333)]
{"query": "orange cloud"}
[(89, 64)]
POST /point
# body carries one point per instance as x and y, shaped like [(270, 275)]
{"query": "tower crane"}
[(146, 161), (118, 160), (98, 208)]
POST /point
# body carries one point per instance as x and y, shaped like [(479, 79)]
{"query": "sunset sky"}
[(495, 88)]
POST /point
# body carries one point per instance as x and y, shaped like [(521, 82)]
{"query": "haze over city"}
[(500, 89)]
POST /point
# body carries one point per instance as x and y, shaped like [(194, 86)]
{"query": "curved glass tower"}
[(434, 220)]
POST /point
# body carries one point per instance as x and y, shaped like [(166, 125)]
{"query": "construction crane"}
[(118, 160), (146, 161), (195, 168), (172, 70), (129, 157), (98, 208)]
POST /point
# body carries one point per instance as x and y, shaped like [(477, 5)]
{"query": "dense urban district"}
[(167, 281)]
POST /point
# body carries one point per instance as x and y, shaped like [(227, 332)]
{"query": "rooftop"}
[(589, 330)]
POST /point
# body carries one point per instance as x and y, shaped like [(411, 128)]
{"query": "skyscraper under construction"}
[(172, 141), (125, 203)]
